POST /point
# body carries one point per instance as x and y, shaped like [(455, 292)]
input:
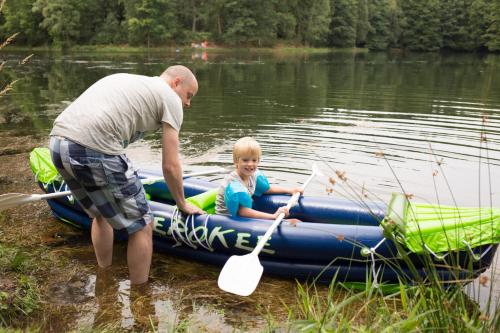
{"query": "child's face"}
[(246, 166)]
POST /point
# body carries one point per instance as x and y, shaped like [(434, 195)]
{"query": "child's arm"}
[(273, 189), (252, 213)]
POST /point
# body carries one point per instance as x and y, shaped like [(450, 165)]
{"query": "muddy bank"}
[(29, 236)]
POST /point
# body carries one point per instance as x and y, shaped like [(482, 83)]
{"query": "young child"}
[(234, 196)]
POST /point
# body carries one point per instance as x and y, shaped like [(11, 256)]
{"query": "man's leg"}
[(139, 252), (102, 239)]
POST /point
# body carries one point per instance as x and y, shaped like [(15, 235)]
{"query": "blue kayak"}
[(338, 239)]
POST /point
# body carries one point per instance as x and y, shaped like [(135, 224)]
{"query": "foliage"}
[(420, 308), (456, 25), (363, 22), (61, 19), (492, 36), (343, 24), (152, 22), (20, 18), (249, 22), (421, 25), (379, 33), (19, 296), (313, 19)]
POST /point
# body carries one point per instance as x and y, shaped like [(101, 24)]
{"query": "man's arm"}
[(172, 169)]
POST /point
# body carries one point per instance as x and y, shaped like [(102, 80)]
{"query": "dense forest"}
[(420, 25)]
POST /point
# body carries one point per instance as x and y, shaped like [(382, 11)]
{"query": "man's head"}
[(182, 81)]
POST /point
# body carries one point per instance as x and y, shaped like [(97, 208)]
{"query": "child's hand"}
[(295, 190), (293, 222), (281, 210)]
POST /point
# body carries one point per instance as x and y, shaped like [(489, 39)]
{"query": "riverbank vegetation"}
[(419, 25)]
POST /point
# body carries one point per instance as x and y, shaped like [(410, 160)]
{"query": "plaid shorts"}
[(104, 185)]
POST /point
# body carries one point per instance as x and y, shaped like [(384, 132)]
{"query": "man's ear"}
[(176, 81)]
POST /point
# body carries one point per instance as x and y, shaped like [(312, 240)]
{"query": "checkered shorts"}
[(104, 185)]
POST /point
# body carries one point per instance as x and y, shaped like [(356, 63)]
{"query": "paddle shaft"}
[(14, 199), (293, 200)]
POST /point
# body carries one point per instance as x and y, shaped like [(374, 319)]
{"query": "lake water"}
[(423, 124)]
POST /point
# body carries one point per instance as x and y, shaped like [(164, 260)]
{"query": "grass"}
[(412, 309), (423, 305), (19, 295), (279, 50)]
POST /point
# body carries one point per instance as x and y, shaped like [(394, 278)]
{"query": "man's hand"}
[(191, 209)]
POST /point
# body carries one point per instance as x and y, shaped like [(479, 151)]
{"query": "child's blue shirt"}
[(234, 193)]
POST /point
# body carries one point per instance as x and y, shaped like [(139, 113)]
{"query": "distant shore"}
[(181, 49)]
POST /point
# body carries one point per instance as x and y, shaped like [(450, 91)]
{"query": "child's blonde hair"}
[(246, 146)]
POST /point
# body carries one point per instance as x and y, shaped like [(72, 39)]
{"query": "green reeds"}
[(421, 303)]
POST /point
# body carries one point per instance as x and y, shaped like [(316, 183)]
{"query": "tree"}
[(343, 23), (492, 36), (396, 23), (456, 27), (363, 23), (112, 31), (215, 18), (379, 34), (20, 18), (421, 29), (285, 19), (249, 22), (61, 18), (151, 22), (313, 19)]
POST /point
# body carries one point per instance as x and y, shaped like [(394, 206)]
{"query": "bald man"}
[(88, 144)]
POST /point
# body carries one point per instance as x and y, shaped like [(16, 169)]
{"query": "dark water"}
[(435, 118)]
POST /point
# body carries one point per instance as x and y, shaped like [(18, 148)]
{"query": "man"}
[(87, 146)]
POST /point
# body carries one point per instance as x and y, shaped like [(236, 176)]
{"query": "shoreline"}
[(180, 49)]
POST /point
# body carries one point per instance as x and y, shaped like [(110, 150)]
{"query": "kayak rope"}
[(175, 222), (437, 256), (205, 233), (183, 236), (474, 256), (372, 251)]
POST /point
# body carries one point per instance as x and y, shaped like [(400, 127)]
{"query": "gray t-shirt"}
[(117, 110)]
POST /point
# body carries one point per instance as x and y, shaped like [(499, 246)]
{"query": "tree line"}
[(419, 25)]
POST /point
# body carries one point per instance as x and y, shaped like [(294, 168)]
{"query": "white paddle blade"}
[(241, 274)]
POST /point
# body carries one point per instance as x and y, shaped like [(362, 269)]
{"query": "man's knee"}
[(147, 230)]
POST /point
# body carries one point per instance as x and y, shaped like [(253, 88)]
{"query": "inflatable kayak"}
[(338, 239)]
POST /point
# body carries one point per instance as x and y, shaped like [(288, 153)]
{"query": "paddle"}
[(241, 274), (15, 199)]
